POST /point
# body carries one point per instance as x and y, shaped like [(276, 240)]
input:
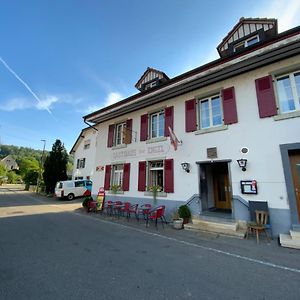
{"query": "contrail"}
[(24, 83)]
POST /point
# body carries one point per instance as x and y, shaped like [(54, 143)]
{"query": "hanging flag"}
[(173, 138)]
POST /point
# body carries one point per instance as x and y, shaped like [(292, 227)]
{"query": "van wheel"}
[(70, 196)]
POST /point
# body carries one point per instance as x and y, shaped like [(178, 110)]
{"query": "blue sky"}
[(63, 59)]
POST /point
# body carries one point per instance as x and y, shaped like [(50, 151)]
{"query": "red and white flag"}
[(173, 138)]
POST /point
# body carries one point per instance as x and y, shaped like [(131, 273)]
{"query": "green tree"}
[(12, 177), (30, 178), (2, 170), (55, 166), (28, 164)]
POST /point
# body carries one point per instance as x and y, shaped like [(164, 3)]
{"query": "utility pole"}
[(41, 167)]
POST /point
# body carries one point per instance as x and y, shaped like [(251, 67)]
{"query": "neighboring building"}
[(10, 163), (244, 105), (84, 151)]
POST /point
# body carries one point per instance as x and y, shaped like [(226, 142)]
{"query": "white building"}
[(9, 163), (84, 151), (244, 105)]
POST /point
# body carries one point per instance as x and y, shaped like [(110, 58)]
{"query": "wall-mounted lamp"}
[(242, 163), (186, 167)]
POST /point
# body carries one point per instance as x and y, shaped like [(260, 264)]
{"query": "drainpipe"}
[(91, 126)]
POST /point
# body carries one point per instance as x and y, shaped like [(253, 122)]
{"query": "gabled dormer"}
[(247, 33), (150, 79)]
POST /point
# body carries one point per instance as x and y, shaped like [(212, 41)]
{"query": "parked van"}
[(73, 188)]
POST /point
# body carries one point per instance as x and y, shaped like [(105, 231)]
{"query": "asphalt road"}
[(53, 250)]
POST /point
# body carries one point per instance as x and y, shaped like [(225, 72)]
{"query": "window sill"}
[(117, 193), (211, 129), (284, 116), (159, 194), (119, 147), (156, 140)]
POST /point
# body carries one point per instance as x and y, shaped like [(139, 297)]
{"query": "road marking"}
[(253, 260)]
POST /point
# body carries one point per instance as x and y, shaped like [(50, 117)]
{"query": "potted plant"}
[(177, 221), (184, 213), (154, 189), (115, 188)]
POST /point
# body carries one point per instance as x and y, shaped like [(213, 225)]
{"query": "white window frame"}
[(245, 43), (155, 168), (291, 76), (209, 99), (80, 163), (157, 114), (119, 130), (117, 175)]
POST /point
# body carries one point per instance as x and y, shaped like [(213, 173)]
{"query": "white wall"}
[(261, 136), (88, 154)]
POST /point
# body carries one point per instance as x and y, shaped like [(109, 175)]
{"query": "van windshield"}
[(89, 183)]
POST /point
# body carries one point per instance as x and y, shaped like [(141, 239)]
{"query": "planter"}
[(178, 223), (186, 220)]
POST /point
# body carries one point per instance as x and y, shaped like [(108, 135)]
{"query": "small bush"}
[(184, 212), (86, 200)]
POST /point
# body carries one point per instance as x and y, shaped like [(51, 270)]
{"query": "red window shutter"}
[(128, 131), (144, 127), (126, 177), (107, 177), (229, 106), (142, 176), (190, 115), (169, 175), (265, 97), (169, 116), (110, 139)]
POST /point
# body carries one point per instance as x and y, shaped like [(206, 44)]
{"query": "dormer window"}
[(246, 43), (247, 32), (150, 79)]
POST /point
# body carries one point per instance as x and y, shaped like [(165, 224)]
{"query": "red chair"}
[(117, 208), (144, 211), (133, 209), (108, 207), (125, 208), (155, 214)]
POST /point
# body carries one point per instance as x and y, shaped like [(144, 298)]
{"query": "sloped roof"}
[(248, 21), (148, 71), (80, 136)]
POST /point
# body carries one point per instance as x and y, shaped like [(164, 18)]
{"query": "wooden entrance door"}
[(295, 167), (222, 187)]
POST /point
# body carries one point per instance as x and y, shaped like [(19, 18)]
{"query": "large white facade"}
[(262, 136), (84, 155)]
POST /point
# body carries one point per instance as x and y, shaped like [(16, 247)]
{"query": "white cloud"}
[(287, 13), (46, 104), (24, 103), (16, 104), (110, 99)]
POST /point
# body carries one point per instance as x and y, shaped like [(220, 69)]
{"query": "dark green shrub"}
[(86, 200), (184, 212)]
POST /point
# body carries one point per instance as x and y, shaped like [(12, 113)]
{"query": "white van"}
[(73, 188)]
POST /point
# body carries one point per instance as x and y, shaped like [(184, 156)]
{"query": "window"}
[(79, 184), (78, 177), (288, 91), (246, 43), (156, 173), (87, 144), (120, 133), (210, 112), (80, 163), (157, 124), (117, 175)]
